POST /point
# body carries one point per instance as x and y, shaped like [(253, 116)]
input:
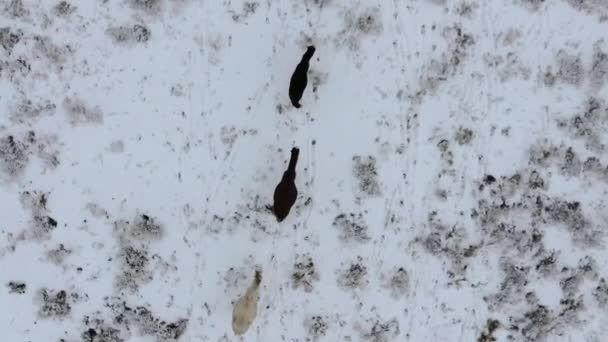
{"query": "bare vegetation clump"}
[(129, 34), (381, 331), (56, 54), (28, 111), (16, 9), (487, 335), (598, 74), (316, 326), (135, 268), (571, 70), (366, 173), (14, 156), (17, 287), (146, 228), (397, 282), (78, 113), (152, 7), (304, 274), (64, 9), (589, 124), (512, 287), (54, 303), (354, 275), (146, 322), (58, 255), (600, 293), (9, 38), (464, 136), (352, 227), (42, 224)]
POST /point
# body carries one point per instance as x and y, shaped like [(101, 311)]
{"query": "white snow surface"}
[(452, 174)]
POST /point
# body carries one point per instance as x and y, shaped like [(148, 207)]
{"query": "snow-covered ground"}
[(452, 175)]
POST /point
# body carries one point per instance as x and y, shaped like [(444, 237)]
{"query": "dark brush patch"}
[(590, 124), (512, 287), (36, 201), (593, 165), (358, 25), (9, 38), (146, 321), (97, 211), (42, 224), (570, 68), (64, 9), (536, 323), (317, 79), (569, 214), (536, 181), (571, 164), (14, 68), (101, 334), (148, 6), (304, 274), (549, 77), (366, 173), (570, 309), (504, 221), (600, 293), (249, 8), (570, 283), (128, 34), (381, 331), (229, 134), (316, 326), (78, 113), (47, 149), (459, 45), (446, 154), (594, 7), (54, 303), (543, 154), (14, 156), (448, 242), (58, 255), (234, 279), (320, 3), (487, 335), (598, 74), (146, 228), (354, 275), (397, 282), (533, 5), (16, 9), (510, 67), (352, 227), (28, 111), (587, 267), (54, 53), (135, 264), (466, 9), (464, 136), (547, 263), (369, 21), (17, 287)]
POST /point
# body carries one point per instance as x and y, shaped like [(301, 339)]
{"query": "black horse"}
[(286, 192), (299, 79)]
